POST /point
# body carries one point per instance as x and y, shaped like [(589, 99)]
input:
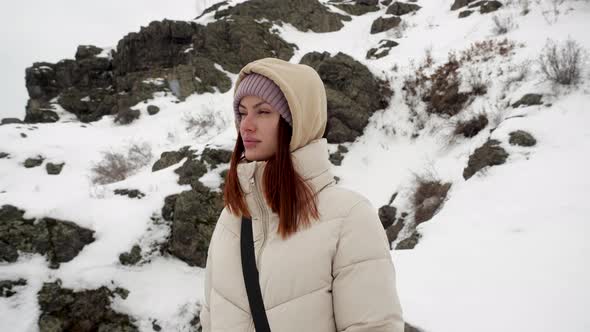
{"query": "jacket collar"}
[(310, 161)]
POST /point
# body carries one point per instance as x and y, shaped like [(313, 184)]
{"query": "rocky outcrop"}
[(522, 138), (63, 309), (359, 7), (169, 56), (214, 157), (302, 14), (54, 169), (382, 49), (402, 8), (193, 214), (131, 193), (60, 240), (383, 24), (529, 99), (353, 94), (489, 154), (7, 287)]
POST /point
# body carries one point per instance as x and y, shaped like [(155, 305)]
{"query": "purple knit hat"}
[(261, 86)]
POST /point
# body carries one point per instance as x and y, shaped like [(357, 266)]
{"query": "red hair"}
[(285, 191)]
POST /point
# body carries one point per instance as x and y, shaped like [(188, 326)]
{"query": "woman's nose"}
[(247, 123)]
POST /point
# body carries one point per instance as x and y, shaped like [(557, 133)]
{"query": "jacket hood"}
[(305, 94)]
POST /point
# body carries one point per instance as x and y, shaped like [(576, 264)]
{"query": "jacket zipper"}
[(263, 219)]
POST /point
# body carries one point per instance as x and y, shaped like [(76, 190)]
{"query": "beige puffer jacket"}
[(338, 274)]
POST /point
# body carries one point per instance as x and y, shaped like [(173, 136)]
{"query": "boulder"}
[(170, 158), (383, 24), (10, 121), (529, 99), (465, 13), (336, 157), (353, 94), (359, 7), (194, 217), (382, 49), (152, 109), (402, 8), (33, 161), (214, 157), (60, 240), (489, 154), (302, 14), (63, 309), (54, 169), (522, 138)]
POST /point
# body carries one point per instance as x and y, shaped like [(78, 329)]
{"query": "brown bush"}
[(562, 64), (116, 166), (471, 127), (428, 198)]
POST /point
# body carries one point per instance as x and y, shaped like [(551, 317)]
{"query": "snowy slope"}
[(505, 253)]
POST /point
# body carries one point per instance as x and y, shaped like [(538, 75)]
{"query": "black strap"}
[(251, 277)]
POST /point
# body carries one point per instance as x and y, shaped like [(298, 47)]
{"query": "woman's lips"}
[(250, 143)]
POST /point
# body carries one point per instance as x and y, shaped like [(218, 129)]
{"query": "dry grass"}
[(116, 166)]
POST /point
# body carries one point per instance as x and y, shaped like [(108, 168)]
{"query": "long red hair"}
[(285, 191)]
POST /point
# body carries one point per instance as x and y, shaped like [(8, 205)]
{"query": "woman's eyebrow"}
[(260, 103)]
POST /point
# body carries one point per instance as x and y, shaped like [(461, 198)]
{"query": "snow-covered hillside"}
[(505, 251)]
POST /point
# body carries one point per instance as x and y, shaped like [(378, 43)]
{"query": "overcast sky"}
[(41, 30)]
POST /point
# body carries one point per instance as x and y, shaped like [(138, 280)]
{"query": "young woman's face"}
[(259, 126)]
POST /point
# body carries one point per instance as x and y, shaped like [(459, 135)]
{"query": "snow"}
[(505, 253)]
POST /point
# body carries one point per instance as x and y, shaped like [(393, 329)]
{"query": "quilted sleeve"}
[(363, 286)]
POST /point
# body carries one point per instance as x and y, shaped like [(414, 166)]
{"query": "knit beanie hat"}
[(264, 88)]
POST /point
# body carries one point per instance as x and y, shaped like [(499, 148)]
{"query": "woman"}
[(321, 253)]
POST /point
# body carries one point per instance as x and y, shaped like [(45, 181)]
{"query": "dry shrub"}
[(486, 50), (563, 63), (429, 196), (477, 82), (471, 127), (444, 97), (502, 24), (116, 166)]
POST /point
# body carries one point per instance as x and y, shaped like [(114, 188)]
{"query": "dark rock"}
[(170, 158), (168, 208), (529, 99), (410, 242), (336, 157), (522, 138), (428, 198), (460, 4), (392, 231), (87, 51), (476, 4), (23, 135), (386, 2), (465, 13), (88, 310), (6, 286), (385, 45), (211, 9), (234, 43), (132, 257), (195, 215), (4, 155), (10, 121), (191, 171), (131, 193), (489, 6), (155, 326), (359, 7), (472, 127), (33, 161), (60, 240), (54, 169), (214, 157), (489, 154), (383, 24), (122, 292), (302, 14), (410, 328), (353, 94), (126, 116), (402, 8), (387, 215), (152, 109), (37, 112)]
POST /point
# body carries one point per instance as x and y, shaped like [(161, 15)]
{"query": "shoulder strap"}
[(251, 277)]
